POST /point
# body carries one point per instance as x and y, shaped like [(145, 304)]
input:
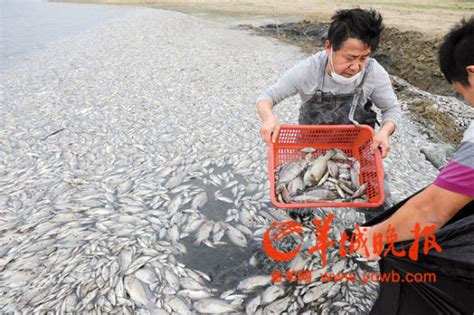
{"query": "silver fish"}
[(360, 191), (199, 200), (271, 294), (333, 169), (355, 170), (139, 292), (316, 292), (308, 150), (345, 188), (178, 305), (277, 307), (340, 155), (236, 237), (292, 170), (295, 186), (214, 306), (203, 232), (324, 179), (315, 171), (339, 191), (254, 282), (319, 194), (252, 306)]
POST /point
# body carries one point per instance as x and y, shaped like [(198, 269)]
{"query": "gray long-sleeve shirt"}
[(303, 79)]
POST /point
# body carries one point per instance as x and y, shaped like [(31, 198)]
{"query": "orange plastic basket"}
[(354, 141)]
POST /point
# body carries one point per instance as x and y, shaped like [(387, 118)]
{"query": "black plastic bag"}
[(453, 290)]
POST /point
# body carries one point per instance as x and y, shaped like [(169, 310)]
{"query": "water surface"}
[(30, 25)]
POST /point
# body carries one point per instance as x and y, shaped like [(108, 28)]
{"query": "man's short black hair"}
[(365, 25), (457, 52)]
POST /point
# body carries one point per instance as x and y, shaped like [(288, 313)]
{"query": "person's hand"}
[(368, 236), (380, 141), (269, 130)]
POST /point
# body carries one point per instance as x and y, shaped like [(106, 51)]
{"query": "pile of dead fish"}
[(331, 177), (126, 187)]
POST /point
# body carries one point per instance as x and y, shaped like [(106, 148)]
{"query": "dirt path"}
[(434, 17)]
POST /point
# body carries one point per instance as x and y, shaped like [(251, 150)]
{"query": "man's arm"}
[(270, 127), (381, 139), (284, 88), (433, 206), (384, 96)]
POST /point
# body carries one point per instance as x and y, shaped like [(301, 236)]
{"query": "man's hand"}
[(270, 126), (380, 141), (269, 130)]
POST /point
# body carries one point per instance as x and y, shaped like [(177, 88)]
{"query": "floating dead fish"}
[(254, 282), (214, 306)]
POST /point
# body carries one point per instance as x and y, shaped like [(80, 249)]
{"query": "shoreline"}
[(406, 52), (433, 20)]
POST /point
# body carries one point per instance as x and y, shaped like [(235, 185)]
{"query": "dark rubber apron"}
[(325, 108)]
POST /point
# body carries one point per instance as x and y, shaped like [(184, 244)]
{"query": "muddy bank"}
[(408, 55)]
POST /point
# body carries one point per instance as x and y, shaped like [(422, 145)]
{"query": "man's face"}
[(467, 92), (351, 58)]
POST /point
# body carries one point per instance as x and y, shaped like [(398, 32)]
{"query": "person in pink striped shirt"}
[(454, 187)]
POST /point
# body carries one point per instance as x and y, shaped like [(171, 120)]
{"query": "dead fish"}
[(292, 170), (146, 275), (315, 171), (324, 179), (203, 232), (347, 183), (254, 282), (339, 191), (271, 294), (355, 170), (277, 307), (139, 292), (199, 200), (345, 188), (308, 150), (190, 284), (285, 195), (295, 186), (174, 204), (316, 292), (172, 279), (252, 306), (215, 306), (360, 191), (345, 177), (333, 169), (318, 194), (178, 305), (236, 236), (340, 155), (195, 294)]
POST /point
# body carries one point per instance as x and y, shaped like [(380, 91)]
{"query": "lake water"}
[(29, 25)]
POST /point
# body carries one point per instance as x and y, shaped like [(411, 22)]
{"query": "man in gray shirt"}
[(340, 84), (339, 78)]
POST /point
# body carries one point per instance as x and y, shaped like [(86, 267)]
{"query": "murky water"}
[(29, 25)]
